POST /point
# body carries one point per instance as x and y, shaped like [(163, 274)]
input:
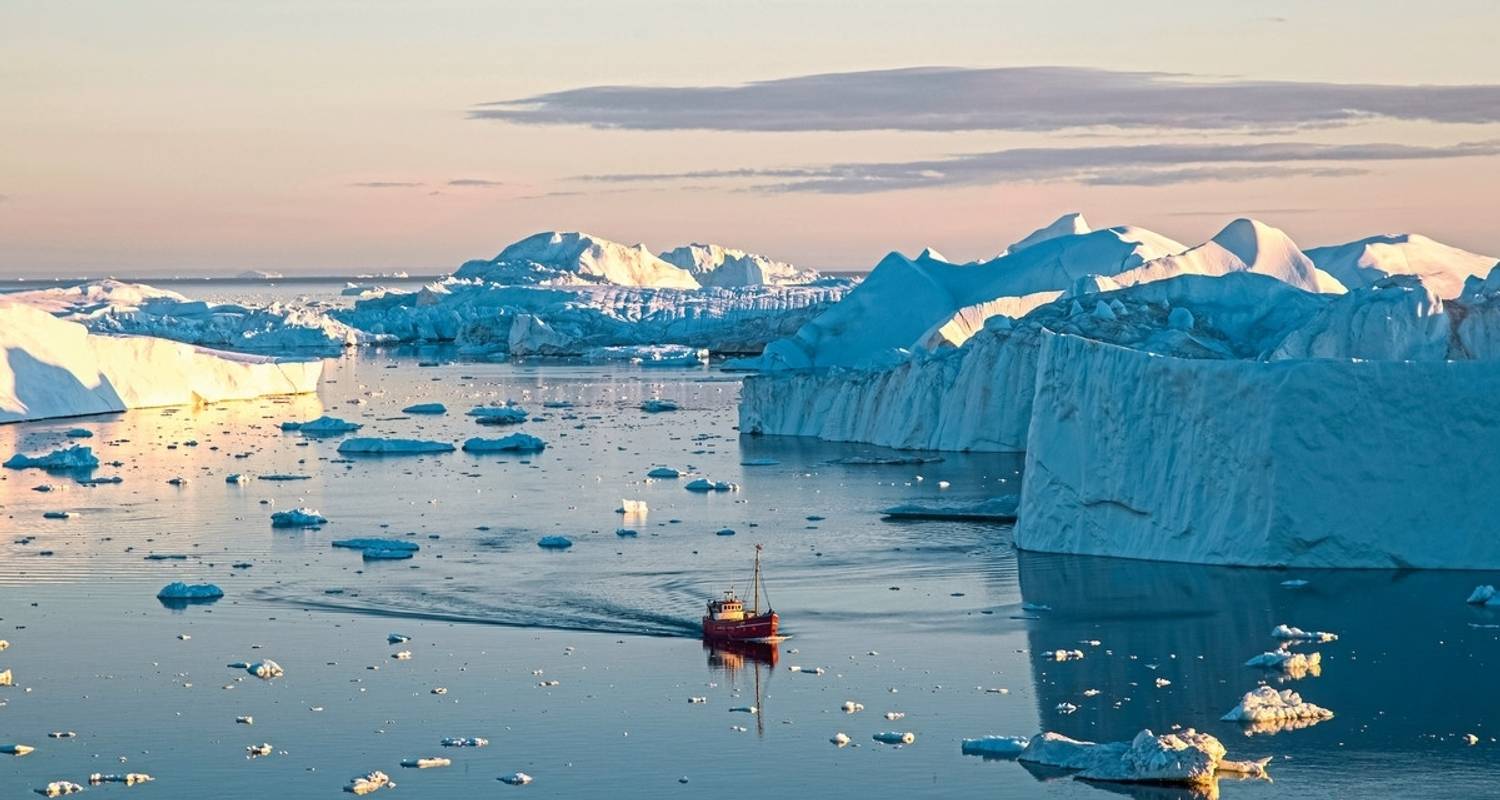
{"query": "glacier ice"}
[(55, 368)]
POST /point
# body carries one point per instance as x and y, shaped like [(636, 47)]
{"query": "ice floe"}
[(297, 518), (514, 443), (378, 446)]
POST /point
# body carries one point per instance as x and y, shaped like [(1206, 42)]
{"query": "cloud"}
[(996, 99), (387, 184), (474, 182), (1109, 165)]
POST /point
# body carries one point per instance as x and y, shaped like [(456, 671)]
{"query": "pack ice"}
[(55, 368), (1316, 411)]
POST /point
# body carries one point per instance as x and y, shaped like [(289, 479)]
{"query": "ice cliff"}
[(1226, 404), (53, 368)]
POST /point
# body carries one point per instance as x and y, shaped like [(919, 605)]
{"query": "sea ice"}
[(177, 590), (1265, 704)]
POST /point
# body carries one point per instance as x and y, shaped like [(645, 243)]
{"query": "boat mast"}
[(755, 582)]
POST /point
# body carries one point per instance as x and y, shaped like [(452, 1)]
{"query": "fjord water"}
[(924, 618)]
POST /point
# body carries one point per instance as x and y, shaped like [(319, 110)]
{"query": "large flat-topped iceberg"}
[(1308, 462), (572, 257), (54, 368)]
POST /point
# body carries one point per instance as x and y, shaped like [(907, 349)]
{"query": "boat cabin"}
[(729, 609)]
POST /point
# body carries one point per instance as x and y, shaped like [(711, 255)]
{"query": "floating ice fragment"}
[(59, 788), (554, 542), (1265, 704), (427, 762), (297, 518), (850, 707), (16, 749), (841, 739), (129, 778), (374, 446), (426, 408), (706, 485), (365, 784), (514, 443), (1298, 635), (895, 737), (498, 415), (664, 473), (1484, 595), (516, 779), (67, 458), (177, 590), (265, 670), (994, 509), (465, 741), (995, 746), (633, 507), (1064, 655)]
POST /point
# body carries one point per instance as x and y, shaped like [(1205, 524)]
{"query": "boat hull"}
[(749, 629)]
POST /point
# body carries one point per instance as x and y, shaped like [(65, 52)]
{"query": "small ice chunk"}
[(706, 485), (129, 778), (59, 788), (516, 779), (16, 749), (365, 784), (841, 739), (633, 507), (1290, 633), (375, 446), (851, 707), (427, 762), (322, 426), (554, 542), (895, 737), (1064, 655), (426, 408), (1265, 704), (177, 590), (465, 741), (258, 750), (514, 443), (297, 518), (745, 710), (656, 406), (995, 746), (1484, 595), (238, 478), (68, 458), (265, 670), (664, 473), (498, 415)]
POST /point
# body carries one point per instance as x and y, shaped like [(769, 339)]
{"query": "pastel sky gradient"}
[(152, 137)]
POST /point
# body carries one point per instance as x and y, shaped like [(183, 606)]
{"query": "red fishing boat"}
[(728, 621)]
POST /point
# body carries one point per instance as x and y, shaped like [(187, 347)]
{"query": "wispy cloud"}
[(481, 182), (387, 184), (1112, 165), (1007, 98)]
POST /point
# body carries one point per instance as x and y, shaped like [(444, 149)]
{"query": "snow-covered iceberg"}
[(117, 307), (563, 257), (55, 368), (1442, 267), (716, 266)]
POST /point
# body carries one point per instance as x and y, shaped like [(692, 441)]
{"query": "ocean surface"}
[(943, 622)]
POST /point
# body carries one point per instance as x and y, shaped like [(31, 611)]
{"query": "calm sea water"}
[(920, 618)]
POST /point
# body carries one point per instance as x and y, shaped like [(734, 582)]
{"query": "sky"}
[(155, 138)]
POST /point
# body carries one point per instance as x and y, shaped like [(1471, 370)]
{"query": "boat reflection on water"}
[(733, 658)]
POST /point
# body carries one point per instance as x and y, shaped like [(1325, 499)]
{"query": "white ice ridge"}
[(53, 368), (569, 256), (1442, 267), (713, 265)]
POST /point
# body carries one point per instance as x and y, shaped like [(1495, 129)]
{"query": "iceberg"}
[(322, 426), (498, 415), (377, 544), (116, 307), (1362, 263), (995, 746), (657, 406), (554, 542), (297, 518), (569, 256), (177, 590), (706, 485), (76, 457), (426, 408), (716, 266), (651, 355), (994, 509), (1267, 705), (373, 446), (1182, 757), (514, 443), (54, 368)]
